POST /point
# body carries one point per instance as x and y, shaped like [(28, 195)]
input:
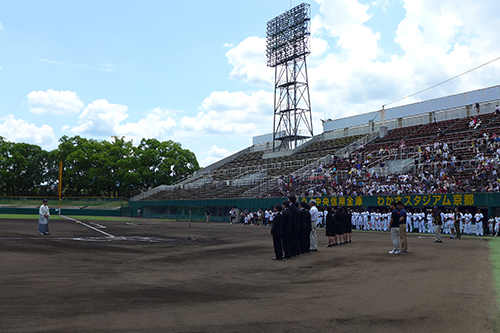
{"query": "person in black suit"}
[(330, 229), (295, 240), (277, 232), (305, 227), (287, 229)]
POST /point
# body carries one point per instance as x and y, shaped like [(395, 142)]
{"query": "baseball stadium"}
[(195, 255)]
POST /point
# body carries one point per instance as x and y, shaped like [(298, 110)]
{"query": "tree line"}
[(114, 168)]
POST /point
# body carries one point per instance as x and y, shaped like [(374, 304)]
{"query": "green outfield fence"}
[(488, 203)]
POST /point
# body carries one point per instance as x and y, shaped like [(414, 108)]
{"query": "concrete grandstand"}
[(447, 142)]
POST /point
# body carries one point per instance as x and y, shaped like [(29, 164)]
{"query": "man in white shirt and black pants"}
[(314, 220)]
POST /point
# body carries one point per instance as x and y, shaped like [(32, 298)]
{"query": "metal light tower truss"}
[(287, 48)]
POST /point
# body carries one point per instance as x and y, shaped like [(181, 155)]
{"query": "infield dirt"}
[(151, 279)]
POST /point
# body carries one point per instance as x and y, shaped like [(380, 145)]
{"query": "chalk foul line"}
[(86, 225)]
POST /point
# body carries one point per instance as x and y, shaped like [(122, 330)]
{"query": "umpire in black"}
[(287, 229), (277, 232)]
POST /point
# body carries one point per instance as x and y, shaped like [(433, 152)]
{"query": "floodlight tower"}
[(287, 47)]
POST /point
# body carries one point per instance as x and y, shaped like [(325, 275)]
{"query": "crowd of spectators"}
[(437, 169)]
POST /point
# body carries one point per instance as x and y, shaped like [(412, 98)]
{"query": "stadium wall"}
[(489, 203), (444, 108)]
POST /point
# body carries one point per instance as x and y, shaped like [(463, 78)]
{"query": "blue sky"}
[(195, 71)]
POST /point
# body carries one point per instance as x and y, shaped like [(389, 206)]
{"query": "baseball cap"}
[(44, 200)]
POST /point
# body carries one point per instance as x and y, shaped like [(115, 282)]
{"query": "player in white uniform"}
[(373, 220), (462, 223), (451, 223), (467, 222), (354, 219), (409, 222), (497, 224), (416, 220), (378, 223), (387, 220), (430, 223), (491, 223), (366, 223), (444, 218), (360, 220), (479, 223)]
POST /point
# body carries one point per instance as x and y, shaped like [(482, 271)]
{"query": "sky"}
[(195, 71)]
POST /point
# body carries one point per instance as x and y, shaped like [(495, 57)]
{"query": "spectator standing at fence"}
[(436, 216), (394, 226), (314, 220), (277, 233), (403, 241), (43, 218), (477, 107), (139, 212)]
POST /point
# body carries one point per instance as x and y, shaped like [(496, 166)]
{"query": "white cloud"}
[(232, 113), (228, 45), (248, 59), (104, 119), (157, 124), (318, 46), (1, 25), (215, 154), (19, 130), (54, 102), (101, 118), (433, 42)]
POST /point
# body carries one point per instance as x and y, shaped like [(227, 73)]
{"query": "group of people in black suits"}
[(291, 229), (338, 226)]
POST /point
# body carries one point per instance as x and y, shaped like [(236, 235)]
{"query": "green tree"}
[(79, 157), (163, 163), (24, 168), (117, 168)]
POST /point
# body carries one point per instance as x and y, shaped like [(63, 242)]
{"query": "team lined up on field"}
[(419, 221)]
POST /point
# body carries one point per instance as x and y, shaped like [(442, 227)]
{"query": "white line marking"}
[(102, 232), (98, 225), (88, 226)]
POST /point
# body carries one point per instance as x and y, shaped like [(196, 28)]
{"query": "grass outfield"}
[(495, 259)]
